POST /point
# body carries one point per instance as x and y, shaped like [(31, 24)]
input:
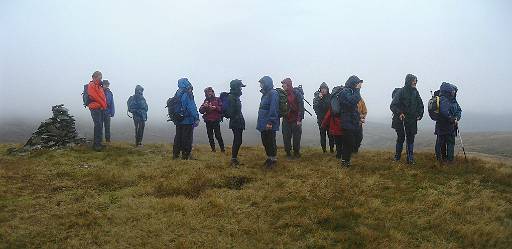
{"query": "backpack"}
[(172, 106), (85, 96), (283, 102), (395, 92), (434, 106), (335, 100), (227, 109)]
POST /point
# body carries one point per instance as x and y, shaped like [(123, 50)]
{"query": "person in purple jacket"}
[(110, 111), (212, 115)]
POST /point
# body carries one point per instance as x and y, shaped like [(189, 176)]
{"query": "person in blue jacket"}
[(350, 117), (139, 108), (185, 128), (110, 111), (268, 119), (447, 124)]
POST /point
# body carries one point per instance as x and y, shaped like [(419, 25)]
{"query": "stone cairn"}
[(56, 132)]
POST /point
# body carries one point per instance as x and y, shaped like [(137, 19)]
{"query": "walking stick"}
[(462, 143)]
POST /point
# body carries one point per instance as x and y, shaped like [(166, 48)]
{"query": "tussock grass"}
[(126, 197)]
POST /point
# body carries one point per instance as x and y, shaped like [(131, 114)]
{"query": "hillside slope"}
[(133, 198)]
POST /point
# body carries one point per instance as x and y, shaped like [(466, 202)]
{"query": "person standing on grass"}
[(361, 107), (350, 117), (407, 108), (212, 115), (97, 105), (292, 121), (110, 111), (268, 119), (185, 127), (321, 104), (332, 123), (447, 124), (236, 118), (138, 107)]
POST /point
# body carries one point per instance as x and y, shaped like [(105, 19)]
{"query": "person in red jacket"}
[(97, 105), (212, 114), (332, 122)]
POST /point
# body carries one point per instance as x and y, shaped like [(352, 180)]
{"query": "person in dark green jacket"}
[(407, 108)]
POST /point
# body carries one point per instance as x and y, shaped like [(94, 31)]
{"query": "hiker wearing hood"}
[(138, 107), (268, 119), (350, 116), (321, 105), (185, 127), (212, 115), (292, 122), (97, 105), (236, 119), (110, 111), (407, 108), (447, 124)]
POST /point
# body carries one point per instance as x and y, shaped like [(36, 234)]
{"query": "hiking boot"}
[(410, 154), (345, 163), (297, 155), (222, 150), (398, 151), (289, 156), (97, 148), (331, 150), (235, 163), (107, 140), (267, 162), (272, 164), (324, 150)]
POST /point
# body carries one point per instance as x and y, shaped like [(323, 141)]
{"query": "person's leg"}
[(410, 148), (136, 125), (348, 146), (400, 139), (323, 133), (209, 132), (106, 123), (266, 144), (287, 137), (359, 139), (297, 135), (176, 148), (437, 148), (218, 136), (450, 147), (444, 145), (273, 148), (339, 145), (237, 142), (332, 142), (188, 135), (97, 118), (142, 124)]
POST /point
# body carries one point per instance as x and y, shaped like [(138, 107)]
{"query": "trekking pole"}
[(306, 110), (462, 143)]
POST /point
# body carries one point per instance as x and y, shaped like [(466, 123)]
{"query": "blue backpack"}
[(226, 105), (174, 109), (85, 96)]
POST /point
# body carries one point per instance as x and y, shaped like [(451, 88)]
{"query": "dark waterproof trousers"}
[(183, 141), (106, 124), (291, 133), (237, 142), (339, 145), (268, 139), (349, 139), (445, 147), (139, 130), (213, 128), (324, 134), (358, 139), (97, 118)]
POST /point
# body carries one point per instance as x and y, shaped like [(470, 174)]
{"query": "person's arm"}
[(327, 119), (192, 108), (203, 108), (350, 99), (273, 112), (112, 106), (420, 106)]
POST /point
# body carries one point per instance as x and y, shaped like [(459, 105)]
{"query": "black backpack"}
[(335, 100), (174, 109), (395, 92), (434, 105), (283, 102), (227, 108), (85, 96)]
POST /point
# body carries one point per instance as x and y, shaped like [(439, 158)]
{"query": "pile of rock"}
[(56, 132)]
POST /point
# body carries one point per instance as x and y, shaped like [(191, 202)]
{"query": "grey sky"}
[(49, 49)]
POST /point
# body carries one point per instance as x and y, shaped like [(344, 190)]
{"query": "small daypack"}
[(283, 102), (85, 96), (395, 92), (227, 105), (434, 106), (174, 109), (335, 100)]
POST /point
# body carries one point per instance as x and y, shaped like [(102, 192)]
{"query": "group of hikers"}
[(341, 114)]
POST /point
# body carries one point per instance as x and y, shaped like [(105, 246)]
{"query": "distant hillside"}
[(129, 197)]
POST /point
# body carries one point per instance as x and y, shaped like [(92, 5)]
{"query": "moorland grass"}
[(129, 197)]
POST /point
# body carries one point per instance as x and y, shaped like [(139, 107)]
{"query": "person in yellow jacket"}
[(361, 107)]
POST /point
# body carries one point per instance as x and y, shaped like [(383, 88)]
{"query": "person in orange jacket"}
[(97, 105), (332, 123)]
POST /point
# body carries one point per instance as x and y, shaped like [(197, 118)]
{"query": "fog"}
[(49, 49)]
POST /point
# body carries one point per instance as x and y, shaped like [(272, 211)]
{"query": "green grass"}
[(134, 198)]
